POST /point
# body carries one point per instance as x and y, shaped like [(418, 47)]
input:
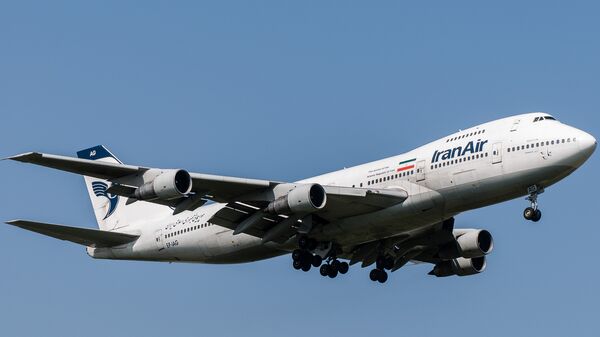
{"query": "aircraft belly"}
[(426, 207), (500, 188)]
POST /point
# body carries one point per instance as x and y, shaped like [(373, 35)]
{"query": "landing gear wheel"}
[(317, 261), (383, 276), (378, 275), (297, 255), (332, 272), (297, 265), (324, 270), (343, 268), (537, 216), (306, 266), (529, 213), (336, 264), (374, 275)]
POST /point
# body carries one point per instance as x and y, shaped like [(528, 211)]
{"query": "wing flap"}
[(83, 236)]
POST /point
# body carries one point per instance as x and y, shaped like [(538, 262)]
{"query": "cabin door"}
[(158, 240), (497, 153), (421, 170)]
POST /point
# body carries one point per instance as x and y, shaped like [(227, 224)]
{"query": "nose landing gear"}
[(533, 213)]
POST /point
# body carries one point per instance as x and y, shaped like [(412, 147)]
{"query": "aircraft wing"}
[(212, 187), (246, 199), (342, 202), (83, 236)]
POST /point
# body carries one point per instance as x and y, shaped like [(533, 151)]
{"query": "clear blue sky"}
[(285, 90)]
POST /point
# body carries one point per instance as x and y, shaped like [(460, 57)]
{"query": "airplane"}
[(387, 213)]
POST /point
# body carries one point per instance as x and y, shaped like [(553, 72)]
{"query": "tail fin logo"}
[(100, 191)]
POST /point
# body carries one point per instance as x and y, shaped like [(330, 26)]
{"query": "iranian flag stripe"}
[(407, 161), (406, 168)]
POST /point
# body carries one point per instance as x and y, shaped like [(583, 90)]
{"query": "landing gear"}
[(333, 268), (378, 275), (382, 264), (304, 259), (533, 213)]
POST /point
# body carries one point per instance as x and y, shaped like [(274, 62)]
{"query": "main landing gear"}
[(304, 260), (382, 264), (333, 267), (533, 213)]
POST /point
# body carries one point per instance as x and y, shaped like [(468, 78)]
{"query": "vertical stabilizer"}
[(111, 211)]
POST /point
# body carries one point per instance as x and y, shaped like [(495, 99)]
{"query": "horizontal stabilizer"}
[(83, 236)]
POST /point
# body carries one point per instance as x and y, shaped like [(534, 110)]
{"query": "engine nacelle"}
[(475, 243), (303, 199), (461, 267), (170, 184)]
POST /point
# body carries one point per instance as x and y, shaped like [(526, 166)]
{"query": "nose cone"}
[(587, 144)]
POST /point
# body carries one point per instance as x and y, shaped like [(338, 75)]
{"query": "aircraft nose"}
[(587, 143)]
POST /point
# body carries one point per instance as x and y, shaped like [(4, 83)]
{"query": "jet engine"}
[(461, 267), (303, 199), (475, 243), (170, 184)]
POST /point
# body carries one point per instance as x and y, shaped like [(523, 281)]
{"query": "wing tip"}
[(23, 157), (14, 222)]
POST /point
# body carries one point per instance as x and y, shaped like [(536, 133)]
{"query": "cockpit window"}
[(550, 118)]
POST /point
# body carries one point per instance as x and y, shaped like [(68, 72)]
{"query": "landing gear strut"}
[(382, 264), (533, 213)]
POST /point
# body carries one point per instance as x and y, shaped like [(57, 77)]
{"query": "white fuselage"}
[(476, 167)]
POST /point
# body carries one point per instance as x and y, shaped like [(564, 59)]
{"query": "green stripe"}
[(407, 161)]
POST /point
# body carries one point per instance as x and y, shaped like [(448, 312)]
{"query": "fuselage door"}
[(497, 153), (545, 151), (159, 240), (420, 170)]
